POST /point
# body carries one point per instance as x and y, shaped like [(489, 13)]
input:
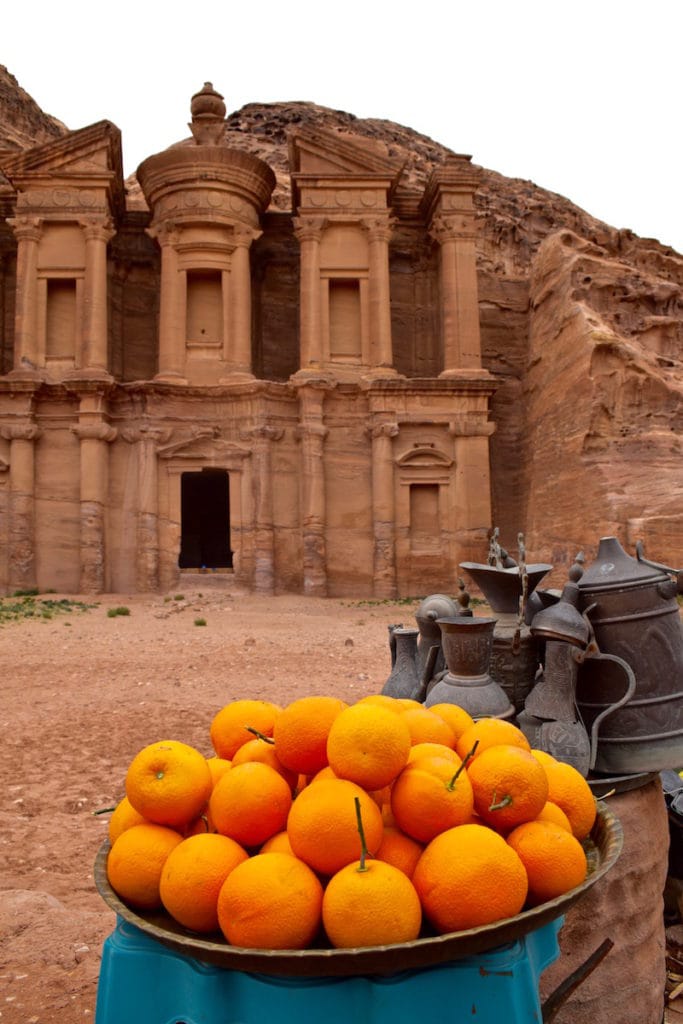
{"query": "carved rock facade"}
[(206, 381)]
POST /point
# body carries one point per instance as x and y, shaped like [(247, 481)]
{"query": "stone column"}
[(459, 294), (261, 437), (239, 355), (379, 232), (97, 234), (309, 231), (147, 437), (21, 526), (311, 434), (383, 508), (94, 438), (171, 329), (27, 231)]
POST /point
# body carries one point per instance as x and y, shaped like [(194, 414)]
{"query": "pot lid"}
[(613, 568)]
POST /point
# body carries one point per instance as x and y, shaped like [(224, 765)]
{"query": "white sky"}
[(582, 98)]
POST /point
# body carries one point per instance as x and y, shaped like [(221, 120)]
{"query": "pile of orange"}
[(323, 823)]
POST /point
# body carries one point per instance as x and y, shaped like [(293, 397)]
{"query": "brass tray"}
[(602, 849)]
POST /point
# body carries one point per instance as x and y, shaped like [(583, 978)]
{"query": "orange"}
[(260, 749), (406, 703), (370, 906), (301, 731), (399, 849), (368, 745), (123, 816), (489, 732), (279, 843), (427, 798), (382, 700), (250, 803), (192, 878), (569, 790), (218, 766), (554, 859), (230, 726), (432, 749), (455, 716), (469, 876), (168, 783), (509, 786), (551, 812), (270, 901), (135, 863), (323, 827), (427, 727)]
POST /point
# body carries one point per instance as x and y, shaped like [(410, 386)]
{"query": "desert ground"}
[(82, 692)]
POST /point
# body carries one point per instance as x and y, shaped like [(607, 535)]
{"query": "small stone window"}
[(345, 320), (425, 525), (205, 307), (60, 319)]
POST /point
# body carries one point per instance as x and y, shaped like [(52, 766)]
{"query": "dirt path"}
[(81, 694)]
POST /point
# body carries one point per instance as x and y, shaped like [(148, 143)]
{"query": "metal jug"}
[(632, 607)]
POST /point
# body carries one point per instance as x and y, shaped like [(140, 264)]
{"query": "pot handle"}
[(678, 573), (630, 690)]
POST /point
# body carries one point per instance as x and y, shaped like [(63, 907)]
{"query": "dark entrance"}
[(205, 520)]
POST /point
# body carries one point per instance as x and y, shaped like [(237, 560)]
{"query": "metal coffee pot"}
[(632, 607)]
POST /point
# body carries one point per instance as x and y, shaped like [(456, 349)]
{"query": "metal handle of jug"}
[(669, 589), (594, 654)]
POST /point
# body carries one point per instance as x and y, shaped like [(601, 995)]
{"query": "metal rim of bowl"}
[(603, 849)]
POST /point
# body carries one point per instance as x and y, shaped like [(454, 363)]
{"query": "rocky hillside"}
[(22, 122), (581, 323)]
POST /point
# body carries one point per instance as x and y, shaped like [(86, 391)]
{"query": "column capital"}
[(97, 229), (310, 430), (387, 429), (379, 227), (21, 432), (308, 228), (145, 433), (166, 233), (243, 235), (261, 432), (453, 227), (26, 228), (94, 432)]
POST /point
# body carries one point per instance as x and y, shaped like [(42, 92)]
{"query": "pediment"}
[(328, 155), (424, 456), (88, 156), (205, 448)]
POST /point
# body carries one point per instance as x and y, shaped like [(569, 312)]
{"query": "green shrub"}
[(119, 610)]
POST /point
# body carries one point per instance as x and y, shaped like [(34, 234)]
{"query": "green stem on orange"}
[(105, 810), (260, 735), (361, 832), (451, 785), (498, 805)]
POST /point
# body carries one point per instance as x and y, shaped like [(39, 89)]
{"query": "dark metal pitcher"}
[(632, 607)]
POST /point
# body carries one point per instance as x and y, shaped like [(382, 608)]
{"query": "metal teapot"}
[(632, 607)]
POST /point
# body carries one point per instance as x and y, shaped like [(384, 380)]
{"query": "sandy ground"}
[(81, 694)]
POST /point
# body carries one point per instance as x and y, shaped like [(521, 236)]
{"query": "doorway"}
[(205, 520)]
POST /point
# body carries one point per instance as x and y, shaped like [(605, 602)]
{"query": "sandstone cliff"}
[(582, 324), (22, 122)]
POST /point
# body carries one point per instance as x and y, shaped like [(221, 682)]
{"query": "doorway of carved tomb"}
[(205, 520)]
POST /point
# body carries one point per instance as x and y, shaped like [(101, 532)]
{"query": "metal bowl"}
[(602, 850)]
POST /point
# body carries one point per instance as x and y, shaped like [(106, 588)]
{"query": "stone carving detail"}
[(94, 432), (453, 227), (21, 432)]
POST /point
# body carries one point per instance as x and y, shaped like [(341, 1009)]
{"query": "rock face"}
[(22, 123), (581, 329)]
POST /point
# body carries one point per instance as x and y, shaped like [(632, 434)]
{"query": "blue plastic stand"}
[(143, 982)]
